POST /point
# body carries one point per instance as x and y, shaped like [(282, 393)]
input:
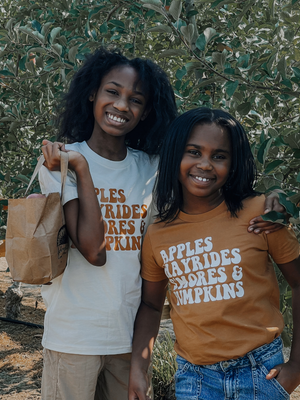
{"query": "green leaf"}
[(180, 73), (270, 99), (23, 178), (244, 108), (284, 199), (275, 217), (72, 54), (293, 140), (58, 48), (287, 82), (36, 25), (104, 28), (216, 3), (272, 165), (282, 67), (4, 72), (39, 50), (30, 66), (117, 22), (192, 66), (154, 2), (295, 198), (171, 53), (188, 32), (95, 12), (219, 58), (175, 9), (210, 33), (192, 13), (7, 119), (54, 33), (201, 42), (160, 29), (296, 72), (155, 7), (263, 150), (231, 87)]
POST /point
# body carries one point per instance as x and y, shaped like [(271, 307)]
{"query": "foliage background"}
[(239, 55)]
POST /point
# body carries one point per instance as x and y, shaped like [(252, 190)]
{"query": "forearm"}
[(145, 331), (87, 230), (288, 374)]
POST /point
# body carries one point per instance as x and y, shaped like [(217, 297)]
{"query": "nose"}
[(204, 164), (121, 104)]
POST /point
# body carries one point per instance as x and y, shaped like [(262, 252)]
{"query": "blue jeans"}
[(243, 378)]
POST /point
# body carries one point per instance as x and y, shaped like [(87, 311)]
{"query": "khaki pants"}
[(81, 377)]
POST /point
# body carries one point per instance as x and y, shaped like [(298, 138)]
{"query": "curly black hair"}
[(240, 183), (76, 120)]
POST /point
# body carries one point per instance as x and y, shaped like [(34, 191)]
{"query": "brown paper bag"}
[(36, 236), (2, 249)]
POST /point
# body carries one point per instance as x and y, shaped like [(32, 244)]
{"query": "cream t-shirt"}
[(91, 310)]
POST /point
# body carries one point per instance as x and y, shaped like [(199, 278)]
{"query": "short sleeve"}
[(150, 271), (283, 245), (50, 182)]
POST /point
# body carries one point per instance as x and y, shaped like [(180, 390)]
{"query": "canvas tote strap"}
[(64, 158)]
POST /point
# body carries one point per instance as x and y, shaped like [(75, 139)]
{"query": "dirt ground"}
[(20, 345)]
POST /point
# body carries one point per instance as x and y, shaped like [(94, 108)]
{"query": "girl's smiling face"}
[(120, 103), (205, 168)]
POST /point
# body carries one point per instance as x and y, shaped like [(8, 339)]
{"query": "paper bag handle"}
[(64, 158)]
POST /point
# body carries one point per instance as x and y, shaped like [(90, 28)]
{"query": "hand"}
[(52, 150), (138, 385), (288, 375), (258, 225), (51, 153)]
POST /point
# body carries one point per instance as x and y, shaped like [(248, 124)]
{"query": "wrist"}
[(78, 163)]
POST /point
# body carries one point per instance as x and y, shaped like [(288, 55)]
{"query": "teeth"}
[(202, 179), (117, 119)]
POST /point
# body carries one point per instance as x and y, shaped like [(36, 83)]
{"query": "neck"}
[(113, 149), (202, 204)]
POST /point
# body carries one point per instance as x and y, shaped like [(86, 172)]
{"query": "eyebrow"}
[(200, 147), (119, 85)]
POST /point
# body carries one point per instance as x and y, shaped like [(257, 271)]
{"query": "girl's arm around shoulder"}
[(145, 331), (257, 225), (288, 374), (83, 215)]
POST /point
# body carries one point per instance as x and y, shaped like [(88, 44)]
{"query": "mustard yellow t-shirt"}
[(224, 292)]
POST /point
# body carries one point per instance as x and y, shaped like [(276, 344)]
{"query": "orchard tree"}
[(239, 55)]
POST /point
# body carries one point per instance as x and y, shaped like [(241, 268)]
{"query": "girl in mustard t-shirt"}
[(223, 289)]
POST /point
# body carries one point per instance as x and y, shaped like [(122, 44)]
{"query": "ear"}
[(146, 113), (92, 97)]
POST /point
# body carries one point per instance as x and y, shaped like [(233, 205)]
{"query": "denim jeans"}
[(243, 378)]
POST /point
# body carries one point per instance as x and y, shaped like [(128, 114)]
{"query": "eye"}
[(219, 157), (112, 91), (136, 101), (194, 152)]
